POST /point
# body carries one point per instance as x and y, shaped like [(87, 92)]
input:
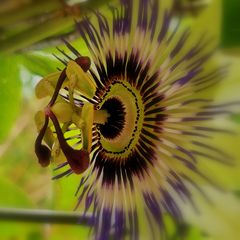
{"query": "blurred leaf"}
[(230, 23), (40, 63), (20, 231), (237, 193), (10, 93), (170, 226), (188, 232), (218, 218), (59, 232), (64, 191), (12, 195), (210, 20), (236, 117), (64, 199), (35, 236)]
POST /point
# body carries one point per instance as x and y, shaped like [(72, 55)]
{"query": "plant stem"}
[(43, 216)]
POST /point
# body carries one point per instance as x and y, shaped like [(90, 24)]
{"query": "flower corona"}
[(134, 117)]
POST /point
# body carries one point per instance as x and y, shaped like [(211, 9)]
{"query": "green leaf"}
[(218, 218), (10, 93), (64, 199), (13, 196), (40, 63), (230, 24), (236, 117)]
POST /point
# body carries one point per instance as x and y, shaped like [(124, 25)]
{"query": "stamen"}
[(77, 159), (83, 62), (46, 86), (63, 111), (80, 80)]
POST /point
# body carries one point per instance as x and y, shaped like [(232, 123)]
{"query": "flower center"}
[(121, 131), (116, 120)]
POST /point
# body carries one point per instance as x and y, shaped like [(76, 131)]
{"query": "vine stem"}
[(44, 216), (25, 12), (56, 19)]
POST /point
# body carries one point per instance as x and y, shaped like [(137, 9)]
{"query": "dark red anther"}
[(83, 62)]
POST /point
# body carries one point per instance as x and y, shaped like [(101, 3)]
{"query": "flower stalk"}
[(43, 216)]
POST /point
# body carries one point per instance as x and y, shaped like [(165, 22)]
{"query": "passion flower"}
[(134, 117)]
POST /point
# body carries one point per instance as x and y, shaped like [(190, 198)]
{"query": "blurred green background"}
[(29, 32)]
